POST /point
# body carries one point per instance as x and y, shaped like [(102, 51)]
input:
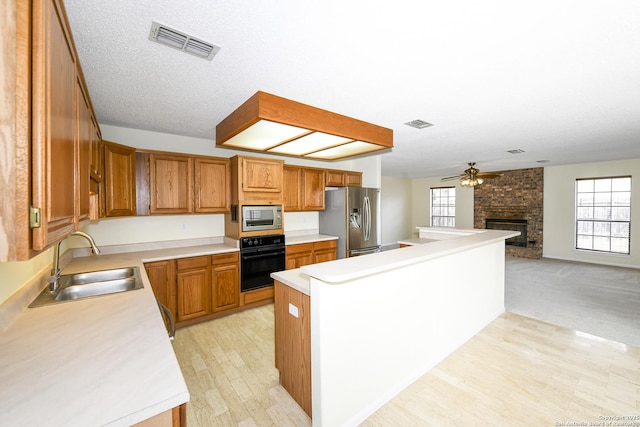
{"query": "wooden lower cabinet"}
[(162, 275), (325, 251), (293, 343), (193, 281), (298, 255), (310, 253), (225, 282), (197, 288), (176, 417)]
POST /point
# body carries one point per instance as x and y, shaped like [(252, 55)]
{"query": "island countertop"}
[(350, 268), (446, 243), (98, 361)]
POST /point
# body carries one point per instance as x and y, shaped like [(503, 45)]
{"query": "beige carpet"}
[(598, 300)]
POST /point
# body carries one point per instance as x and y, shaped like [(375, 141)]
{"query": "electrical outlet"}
[(293, 310)]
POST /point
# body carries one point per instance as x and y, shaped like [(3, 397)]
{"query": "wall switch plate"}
[(293, 310)]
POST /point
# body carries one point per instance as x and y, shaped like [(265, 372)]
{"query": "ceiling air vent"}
[(418, 124), (181, 41)]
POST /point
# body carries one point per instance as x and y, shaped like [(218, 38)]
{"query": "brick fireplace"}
[(513, 201)]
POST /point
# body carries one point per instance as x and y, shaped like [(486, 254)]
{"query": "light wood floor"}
[(517, 371)]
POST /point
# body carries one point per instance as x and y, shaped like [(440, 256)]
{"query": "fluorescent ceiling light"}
[(354, 148), (263, 135), (310, 143), (272, 124)]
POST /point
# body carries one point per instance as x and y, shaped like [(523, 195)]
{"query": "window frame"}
[(596, 222), (447, 217)]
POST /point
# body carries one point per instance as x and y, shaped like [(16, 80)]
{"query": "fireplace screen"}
[(510, 224)]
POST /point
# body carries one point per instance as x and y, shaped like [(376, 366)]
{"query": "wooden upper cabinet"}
[(256, 179), (313, 189), (119, 179), (354, 179), (54, 124), (97, 154), (171, 184), (303, 189), (335, 178), (84, 138), (211, 185), (292, 191), (339, 178)]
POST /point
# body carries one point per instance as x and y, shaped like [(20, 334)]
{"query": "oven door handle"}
[(261, 255)]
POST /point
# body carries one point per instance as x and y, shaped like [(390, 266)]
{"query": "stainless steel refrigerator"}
[(352, 214)]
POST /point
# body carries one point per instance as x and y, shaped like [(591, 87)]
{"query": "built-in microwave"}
[(261, 217)]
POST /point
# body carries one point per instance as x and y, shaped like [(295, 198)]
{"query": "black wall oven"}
[(259, 257)]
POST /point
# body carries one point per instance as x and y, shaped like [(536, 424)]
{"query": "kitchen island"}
[(374, 324)]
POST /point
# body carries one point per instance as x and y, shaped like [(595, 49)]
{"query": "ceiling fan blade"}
[(449, 178)]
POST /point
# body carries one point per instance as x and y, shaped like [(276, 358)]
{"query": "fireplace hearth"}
[(510, 224)]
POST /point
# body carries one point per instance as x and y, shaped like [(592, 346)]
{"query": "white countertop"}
[(308, 238), (351, 268), (98, 361), (416, 241), (295, 279)]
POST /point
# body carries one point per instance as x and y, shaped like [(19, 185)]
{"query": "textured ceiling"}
[(557, 79)]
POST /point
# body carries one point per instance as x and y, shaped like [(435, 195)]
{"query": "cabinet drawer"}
[(302, 247), (226, 258), (325, 244), (193, 262)]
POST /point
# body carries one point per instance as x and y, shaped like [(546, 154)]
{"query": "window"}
[(443, 207), (603, 214)]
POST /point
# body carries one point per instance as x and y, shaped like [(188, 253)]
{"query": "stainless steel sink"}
[(100, 276), (91, 284)]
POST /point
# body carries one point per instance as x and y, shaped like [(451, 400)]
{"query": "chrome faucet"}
[(54, 279)]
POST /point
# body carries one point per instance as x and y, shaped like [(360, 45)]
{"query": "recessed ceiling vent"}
[(181, 41), (516, 151), (418, 124)]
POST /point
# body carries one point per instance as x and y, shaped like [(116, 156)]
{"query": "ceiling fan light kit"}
[(472, 176), (276, 125)]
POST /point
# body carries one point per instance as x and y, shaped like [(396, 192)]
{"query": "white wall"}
[(373, 336), (395, 209), (559, 211), (421, 206)]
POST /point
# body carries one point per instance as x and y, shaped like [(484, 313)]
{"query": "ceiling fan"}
[(472, 176)]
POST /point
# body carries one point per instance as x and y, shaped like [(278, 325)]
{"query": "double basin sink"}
[(90, 284)]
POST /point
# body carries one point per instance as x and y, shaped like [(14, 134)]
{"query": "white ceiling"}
[(558, 79)]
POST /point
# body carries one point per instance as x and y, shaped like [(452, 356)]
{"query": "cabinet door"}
[(211, 185), (53, 124), (170, 184), (313, 187), (261, 175), (193, 293), (226, 282), (298, 255), (354, 179), (335, 178), (292, 191), (162, 275), (97, 153), (83, 141), (324, 251), (120, 179)]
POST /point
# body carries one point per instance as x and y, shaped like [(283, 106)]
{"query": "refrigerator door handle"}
[(367, 218)]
